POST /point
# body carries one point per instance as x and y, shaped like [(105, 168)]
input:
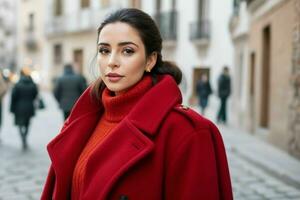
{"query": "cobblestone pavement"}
[(250, 182), (22, 174)]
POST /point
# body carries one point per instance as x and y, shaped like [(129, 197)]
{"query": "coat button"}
[(124, 197), (184, 107)]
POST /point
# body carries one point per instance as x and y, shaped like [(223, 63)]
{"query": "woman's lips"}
[(113, 77)]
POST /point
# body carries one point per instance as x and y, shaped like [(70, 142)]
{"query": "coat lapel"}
[(65, 150), (122, 149)]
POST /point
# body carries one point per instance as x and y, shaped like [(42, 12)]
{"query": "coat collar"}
[(151, 104), (155, 104)]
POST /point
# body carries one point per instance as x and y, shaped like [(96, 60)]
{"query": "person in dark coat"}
[(203, 92), (23, 97), (68, 89), (224, 90)]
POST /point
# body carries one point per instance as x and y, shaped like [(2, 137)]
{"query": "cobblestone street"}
[(251, 182), (22, 174)]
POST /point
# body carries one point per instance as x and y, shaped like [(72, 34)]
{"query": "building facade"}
[(196, 37), (31, 39), (269, 102), (294, 105), (71, 33), (8, 52), (198, 40), (239, 29)]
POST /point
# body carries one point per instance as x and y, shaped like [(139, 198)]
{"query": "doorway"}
[(251, 92), (197, 73), (265, 78)]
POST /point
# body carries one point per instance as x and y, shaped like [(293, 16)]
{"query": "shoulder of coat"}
[(196, 120)]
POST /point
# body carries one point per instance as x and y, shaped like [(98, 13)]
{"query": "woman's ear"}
[(151, 61)]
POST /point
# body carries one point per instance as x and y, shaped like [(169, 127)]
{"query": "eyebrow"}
[(119, 44)]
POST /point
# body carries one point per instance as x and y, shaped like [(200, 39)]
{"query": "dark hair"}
[(226, 69), (68, 66), (151, 38)]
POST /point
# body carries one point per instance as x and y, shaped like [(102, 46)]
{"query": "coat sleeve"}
[(83, 84), (13, 100), (199, 170), (57, 90)]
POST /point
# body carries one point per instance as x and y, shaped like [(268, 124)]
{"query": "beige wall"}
[(24, 9), (70, 42), (281, 19)]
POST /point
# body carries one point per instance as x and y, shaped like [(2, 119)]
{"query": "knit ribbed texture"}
[(116, 108)]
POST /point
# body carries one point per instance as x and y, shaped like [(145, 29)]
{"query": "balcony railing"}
[(200, 31), (167, 24), (83, 20), (253, 5), (7, 24)]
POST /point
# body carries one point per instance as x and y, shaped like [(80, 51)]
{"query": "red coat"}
[(161, 150)]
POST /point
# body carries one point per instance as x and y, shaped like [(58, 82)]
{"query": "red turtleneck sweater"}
[(116, 108)]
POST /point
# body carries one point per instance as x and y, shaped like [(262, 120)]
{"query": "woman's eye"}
[(103, 51), (128, 51)]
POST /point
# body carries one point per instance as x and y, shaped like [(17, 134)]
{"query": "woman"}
[(23, 96), (127, 136)]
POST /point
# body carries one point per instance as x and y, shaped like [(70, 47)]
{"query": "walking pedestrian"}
[(68, 89), (224, 90), (128, 136), (203, 92), (23, 97)]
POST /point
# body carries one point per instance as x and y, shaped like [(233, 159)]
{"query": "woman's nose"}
[(113, 61)]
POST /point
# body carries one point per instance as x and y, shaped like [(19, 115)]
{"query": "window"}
[(236, 6), (58, 8), (135, 3), (57, 53), (158, 6), (78, 59), (85, 3), (8, 33), (201, 10), (105, 3), (31, 22), (173, 4)]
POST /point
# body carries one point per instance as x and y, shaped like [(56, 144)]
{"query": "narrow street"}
[(22, 174)]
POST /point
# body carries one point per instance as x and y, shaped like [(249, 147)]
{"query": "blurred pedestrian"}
[(128, 136), (3, 90), (203, 92), (23, 96), (224, 90), (68, 89)]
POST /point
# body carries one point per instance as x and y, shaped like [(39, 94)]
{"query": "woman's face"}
[(121, 57)]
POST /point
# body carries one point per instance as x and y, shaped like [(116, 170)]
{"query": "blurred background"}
[(257, 40)]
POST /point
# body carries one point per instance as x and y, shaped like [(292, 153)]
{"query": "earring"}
[(148, 70)]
